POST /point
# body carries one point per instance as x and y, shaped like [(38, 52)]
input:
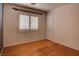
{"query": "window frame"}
[(24, 24), (29, 23)]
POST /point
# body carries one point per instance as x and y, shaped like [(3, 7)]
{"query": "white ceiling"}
[(43, 6)]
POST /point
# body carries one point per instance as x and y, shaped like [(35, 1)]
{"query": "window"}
[(34, 22), (28, 22), (24, 22)]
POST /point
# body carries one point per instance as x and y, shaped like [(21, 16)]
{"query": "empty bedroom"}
[(39, 29)]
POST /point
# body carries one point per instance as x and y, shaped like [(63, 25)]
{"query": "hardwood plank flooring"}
[(39, 48)]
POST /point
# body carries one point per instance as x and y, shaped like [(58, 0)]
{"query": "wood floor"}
[(39, 48)]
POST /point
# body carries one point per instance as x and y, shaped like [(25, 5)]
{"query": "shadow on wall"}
[(1, 30)]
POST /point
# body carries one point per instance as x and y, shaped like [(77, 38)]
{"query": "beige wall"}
[(65, 25), (11, 34), (49, 32)]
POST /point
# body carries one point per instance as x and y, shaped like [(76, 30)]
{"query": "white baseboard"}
[(64, 44), (14, 44)]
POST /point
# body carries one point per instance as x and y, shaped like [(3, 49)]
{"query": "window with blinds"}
[(27, 22)]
